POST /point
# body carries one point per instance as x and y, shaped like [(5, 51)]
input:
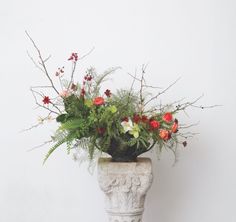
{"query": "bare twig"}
[(41, 121), (85, 55), (160, 93), (188, 126), (42, 63), (39, 105), (72, 75), (134, 77), (36, 87), (35, 63), (45, 60), (40, 145), (142, 83)]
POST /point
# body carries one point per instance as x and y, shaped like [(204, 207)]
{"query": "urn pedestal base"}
[(125, 185)]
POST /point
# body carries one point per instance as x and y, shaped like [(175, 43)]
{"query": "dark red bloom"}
[(136, 118), (101, 130), (144, 118), (154, 124), (82, 92), (46, 100), (88, 77), (167, 117), (74, 87), (126, 119), (98, 101), (108, 93), (73, 57)]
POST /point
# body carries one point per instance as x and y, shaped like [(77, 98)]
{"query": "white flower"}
[(127, 125)]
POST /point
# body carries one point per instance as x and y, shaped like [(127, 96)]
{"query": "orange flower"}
[(164, 134), (167, 117), (98, 101), (175, 126)]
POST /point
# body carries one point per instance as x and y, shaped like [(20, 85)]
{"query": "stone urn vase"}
[(125, 185)]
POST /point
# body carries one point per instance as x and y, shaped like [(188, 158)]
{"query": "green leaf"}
[(113, 109), (88, 103), (61, 118)]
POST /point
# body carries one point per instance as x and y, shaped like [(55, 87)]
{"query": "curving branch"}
[(41, 65)]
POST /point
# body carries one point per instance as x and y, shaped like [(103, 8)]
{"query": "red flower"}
[(101, 130), (108, 93), (74, 87), (88, 77), (144, 118), (125, 119), (167, 117), (82, 92), (46, 100), (154, 124), (98, 101), (136, 118), (164, 134), (174, 128), (73, 57)]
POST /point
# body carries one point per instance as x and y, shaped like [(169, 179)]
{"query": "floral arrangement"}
[(124, 123)]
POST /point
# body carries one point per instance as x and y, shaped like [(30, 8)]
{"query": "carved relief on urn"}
[(125, 185)]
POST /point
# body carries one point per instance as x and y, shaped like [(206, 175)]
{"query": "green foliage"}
[(126, 102), (90, 126), (61, 139), (74, 106), (99, 79)]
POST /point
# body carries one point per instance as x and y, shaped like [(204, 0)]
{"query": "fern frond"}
[(66, 139), (71, 124), (59, 143), (83, 143), (101, 78)]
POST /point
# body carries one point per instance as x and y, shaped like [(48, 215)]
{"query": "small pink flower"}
[(65, 93)]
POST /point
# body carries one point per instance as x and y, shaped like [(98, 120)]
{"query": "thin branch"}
[(45, 60), (41, 145), (53, 104), (72, 75), (88, 53), (142, 82), (41, 121), (42, 63), (32, 127), (160, 93), (39, 105), (134, 77), (35, 63), (36, 87), (188, 126), (153, 87)]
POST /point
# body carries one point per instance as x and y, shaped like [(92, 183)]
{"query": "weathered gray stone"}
[(125, 185)]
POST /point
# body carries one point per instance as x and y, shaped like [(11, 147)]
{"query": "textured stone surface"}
[(125, 186)]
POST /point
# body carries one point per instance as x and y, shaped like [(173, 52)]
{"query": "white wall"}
[(192, 39)]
